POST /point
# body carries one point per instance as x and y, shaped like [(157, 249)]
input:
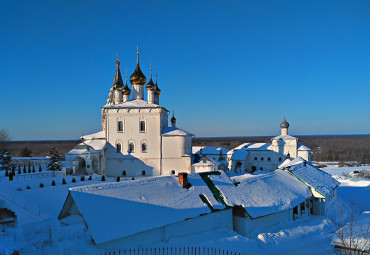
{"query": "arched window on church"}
[(124, 173), (131, 147), (144, 147), (142, 126), (120, 126), (143, 173), (118, 147)]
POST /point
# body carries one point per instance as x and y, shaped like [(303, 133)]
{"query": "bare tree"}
[(4, 138), (353, 238)]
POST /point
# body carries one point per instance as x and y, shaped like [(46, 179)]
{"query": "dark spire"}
[(157, 89), (117, 81), (126, 90), (150, 85)]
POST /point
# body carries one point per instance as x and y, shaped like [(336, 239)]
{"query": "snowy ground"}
[(39, 232)]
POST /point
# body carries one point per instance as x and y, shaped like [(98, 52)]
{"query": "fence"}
[(33, 176), (172, 251)]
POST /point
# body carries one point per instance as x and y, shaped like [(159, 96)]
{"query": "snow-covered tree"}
[(5, 159), (54, 158), (4, 138)]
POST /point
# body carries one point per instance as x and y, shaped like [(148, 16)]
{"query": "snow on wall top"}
[(129, 207), (97, 135), (316, 178), (284, 137), (210, 150), (137, 103), (265, 194), (174, 131)]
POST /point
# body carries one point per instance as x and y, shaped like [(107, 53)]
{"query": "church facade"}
[(251, 157), (136, 139)]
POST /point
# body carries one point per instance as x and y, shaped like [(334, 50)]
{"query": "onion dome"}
[(157, 90), (117, 81), (137, 78), (150, 85), (173, 119), (126, 90), (284, 124)]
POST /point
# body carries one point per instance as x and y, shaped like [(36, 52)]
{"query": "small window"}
[(269, 159), (255, 158), (173, 172), (261, 168), (120, 126), (143, 173), (279, 159), (131, 147), (143, 147), (262, 158), (118, 147), (142, 126), (124, 173)]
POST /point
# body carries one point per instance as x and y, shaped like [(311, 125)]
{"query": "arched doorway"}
[(80, 166)]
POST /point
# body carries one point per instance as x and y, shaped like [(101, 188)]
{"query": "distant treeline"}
[(324, 148)]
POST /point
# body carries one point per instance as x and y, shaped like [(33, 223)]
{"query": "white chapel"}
[(136, 139)]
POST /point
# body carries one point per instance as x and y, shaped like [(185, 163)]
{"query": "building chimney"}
[(183, 179)]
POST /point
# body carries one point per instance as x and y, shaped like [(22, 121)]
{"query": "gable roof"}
[(265, 194), (174, 131), (213, 150), (313, 176), (129, 207)]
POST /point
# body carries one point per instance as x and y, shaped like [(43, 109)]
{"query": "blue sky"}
[(227, 68)]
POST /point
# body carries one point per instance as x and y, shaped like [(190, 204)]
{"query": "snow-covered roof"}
[(97, 145), (174, 131), (210, 150), (129, 207), (206, 162), (265, 194), (284, 137), (97, 135), (258, 146), (302, 147), (137, 103), (289, 162), (313, 176), (240, 154)]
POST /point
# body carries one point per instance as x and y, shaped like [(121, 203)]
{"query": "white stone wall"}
[(134, 163)]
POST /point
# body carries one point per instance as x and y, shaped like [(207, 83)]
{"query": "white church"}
[(136, 139)]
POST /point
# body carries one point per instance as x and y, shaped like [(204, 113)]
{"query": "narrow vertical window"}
[(120, 126), (131, 147), (142, 126), (124, 173), (143, 147), (118, 147), (143, 173)]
